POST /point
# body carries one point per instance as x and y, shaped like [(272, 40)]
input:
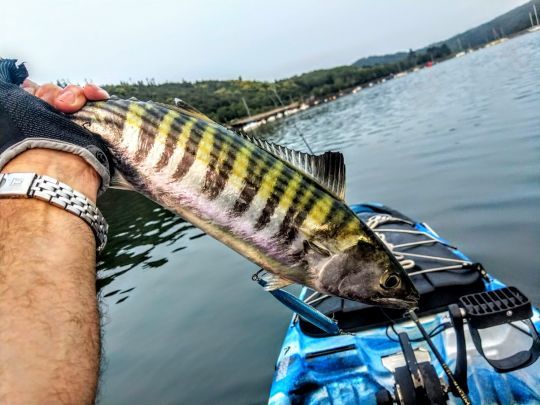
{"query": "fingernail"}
[(67, 97), (103, 93)]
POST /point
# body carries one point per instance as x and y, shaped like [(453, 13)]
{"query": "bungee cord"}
[(404, 258)]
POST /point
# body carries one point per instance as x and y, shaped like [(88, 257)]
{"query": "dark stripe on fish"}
[(118, 113), (252, 181), (335, 218), (218, 174), (190, 152), (212, 177), (297, 213), (147, 134), (177, 127), (287, 231), (306, 208), (272, 202)]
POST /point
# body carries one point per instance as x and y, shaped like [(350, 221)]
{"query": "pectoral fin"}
[(119, 182), (274, 282)]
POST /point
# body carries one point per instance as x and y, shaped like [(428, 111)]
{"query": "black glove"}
[(26, 122)]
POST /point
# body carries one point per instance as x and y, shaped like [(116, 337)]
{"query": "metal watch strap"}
[(27, 185)]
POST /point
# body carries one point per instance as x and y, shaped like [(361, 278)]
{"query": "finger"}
[(29, 84), (48, 92), (95, 93), (31, 90), (70, 99)]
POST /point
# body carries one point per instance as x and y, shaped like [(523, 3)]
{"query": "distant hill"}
[(506, 24), (226, 100), (381, 59), (511, 22)]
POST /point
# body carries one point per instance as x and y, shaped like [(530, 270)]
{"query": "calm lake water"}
[(456, 145)]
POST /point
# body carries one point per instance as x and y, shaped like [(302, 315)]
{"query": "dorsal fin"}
[(327, 169)]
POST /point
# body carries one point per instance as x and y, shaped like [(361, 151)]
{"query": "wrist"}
[(65, 167)]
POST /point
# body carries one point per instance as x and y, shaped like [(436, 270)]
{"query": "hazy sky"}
[(109, 41)]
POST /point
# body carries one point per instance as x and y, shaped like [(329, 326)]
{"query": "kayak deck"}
[(314, 367)]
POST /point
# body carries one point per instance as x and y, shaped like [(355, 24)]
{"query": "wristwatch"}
[(31, 185)]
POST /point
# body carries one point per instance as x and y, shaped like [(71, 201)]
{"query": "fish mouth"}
[(409, 302)]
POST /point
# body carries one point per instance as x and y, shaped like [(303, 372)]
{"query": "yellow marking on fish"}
[(338, 217), (319, 211), (206, 145), (350, 233), (184, 135), (305, 197), (163, 133), (240, 167), (132, 127), (164, 128), (290, 192), (180, 147), (269, 181), (223, 153)]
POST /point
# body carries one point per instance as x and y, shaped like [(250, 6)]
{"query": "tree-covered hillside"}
[(223, 100)]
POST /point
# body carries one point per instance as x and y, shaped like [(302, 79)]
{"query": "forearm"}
[(49, 322)]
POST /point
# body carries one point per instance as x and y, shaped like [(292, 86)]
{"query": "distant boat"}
[(460, 54), (429, 64)]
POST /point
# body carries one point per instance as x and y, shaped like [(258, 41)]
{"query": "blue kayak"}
[(485, 334)]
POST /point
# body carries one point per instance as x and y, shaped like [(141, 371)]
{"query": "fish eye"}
[(390, 281)]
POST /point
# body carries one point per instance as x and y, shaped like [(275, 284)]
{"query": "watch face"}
[(16, 184)]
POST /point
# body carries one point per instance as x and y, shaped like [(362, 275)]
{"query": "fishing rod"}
[(457, 388), (294, 123)]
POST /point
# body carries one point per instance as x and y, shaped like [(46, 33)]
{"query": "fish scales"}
[(288, 228), (263, 177), (257, 167), (217, 173), (261, 191), (274, 199), (177, 146), (159, 147)]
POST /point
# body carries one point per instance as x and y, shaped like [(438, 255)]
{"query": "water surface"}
[(456, 145)]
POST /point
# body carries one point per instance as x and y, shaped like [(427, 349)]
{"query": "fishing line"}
[(294, 124), (437, 330), (457, 388), (434, 332)]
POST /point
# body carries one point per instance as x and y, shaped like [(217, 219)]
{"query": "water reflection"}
[(137, 228), (454, 145)]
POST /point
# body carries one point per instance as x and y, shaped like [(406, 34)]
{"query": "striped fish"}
[(281, 209)]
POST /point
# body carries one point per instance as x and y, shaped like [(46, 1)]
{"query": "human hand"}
[(69, 99), (27, 122)]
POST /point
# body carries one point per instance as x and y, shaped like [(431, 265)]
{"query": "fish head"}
[(369, 273)]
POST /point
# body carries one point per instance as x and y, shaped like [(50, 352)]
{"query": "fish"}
[(282, 209)]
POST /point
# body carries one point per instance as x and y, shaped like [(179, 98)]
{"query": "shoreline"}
[(250, 123)]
